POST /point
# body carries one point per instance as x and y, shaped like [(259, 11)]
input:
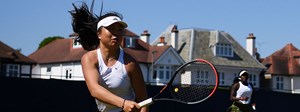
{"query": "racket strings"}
[(191, 93), (194, 83)]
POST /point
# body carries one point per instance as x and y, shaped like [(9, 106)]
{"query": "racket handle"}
[(253, 106), (146, 102)]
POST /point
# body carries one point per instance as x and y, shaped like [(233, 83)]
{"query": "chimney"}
[(161, 41), (174, 37), (145, 36), (250, 44)]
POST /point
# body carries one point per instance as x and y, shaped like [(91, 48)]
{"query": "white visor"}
[(242, 72), (109, 21)]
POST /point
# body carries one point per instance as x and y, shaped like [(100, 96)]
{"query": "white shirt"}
[(116, 80), (244, 91)]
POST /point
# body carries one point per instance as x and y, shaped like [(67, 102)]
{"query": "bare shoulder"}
[(236, 86), (90, 57)]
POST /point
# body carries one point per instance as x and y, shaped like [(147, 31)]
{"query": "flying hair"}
[(92, 7), (101, 7), (84, 23)]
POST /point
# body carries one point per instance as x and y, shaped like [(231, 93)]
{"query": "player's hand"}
[(244, 98), (131, 106)]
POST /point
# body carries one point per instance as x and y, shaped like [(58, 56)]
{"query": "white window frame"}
[(48, 69), (162, 73), (68, 73), (202, 77), (222, 49), (12, 70), (253, 79), (221, 78), (130, 42), (279, 81), (76, 44)]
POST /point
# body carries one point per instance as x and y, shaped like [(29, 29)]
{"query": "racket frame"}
[(151, 100)]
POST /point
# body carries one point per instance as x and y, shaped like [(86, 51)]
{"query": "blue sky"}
[(275, 23)]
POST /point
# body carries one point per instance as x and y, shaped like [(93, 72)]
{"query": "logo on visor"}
[(115, 19)]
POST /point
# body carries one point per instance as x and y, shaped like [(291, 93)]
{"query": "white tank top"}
[(116, 80), (244, 91)]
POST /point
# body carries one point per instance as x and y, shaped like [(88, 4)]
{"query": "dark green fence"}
[(50, 95)]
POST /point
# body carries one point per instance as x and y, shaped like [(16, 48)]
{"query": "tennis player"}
[(113, 77), (242, 93)]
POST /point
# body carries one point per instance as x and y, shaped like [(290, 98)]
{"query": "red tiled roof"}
[(143, 52), (296, 53), (9, 54), (61, 50), (284, 61), (129, 33)]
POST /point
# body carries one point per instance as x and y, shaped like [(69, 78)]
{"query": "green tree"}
[(48, 40)]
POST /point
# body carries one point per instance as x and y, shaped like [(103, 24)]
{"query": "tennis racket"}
[(193, 82)]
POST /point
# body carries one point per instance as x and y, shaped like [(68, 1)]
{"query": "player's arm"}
[(137, 81), (234, 88), (89, 64)]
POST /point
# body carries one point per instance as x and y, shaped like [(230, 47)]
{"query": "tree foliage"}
[(49, 40)]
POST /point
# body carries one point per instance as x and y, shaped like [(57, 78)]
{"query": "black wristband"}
[(123, 104)]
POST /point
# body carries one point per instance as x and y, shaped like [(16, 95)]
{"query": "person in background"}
[(242, 93), (113, 77)]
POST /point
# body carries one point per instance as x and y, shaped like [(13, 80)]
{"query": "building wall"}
[(290, 84), (296, 84), (168, 59), (145, 71), (65, 71), (15, 70), (25, 69), (229, 75), (36, 71), (232, 72), (78, 74)]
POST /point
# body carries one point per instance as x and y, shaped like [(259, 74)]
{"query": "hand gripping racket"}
[(193, 82)]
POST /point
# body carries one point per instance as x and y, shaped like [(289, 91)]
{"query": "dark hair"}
[(84, 23), (236, 80)]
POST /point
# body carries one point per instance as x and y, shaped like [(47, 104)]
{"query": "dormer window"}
[(76, 44), (222, 49), (221, 44), (130, 42)]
